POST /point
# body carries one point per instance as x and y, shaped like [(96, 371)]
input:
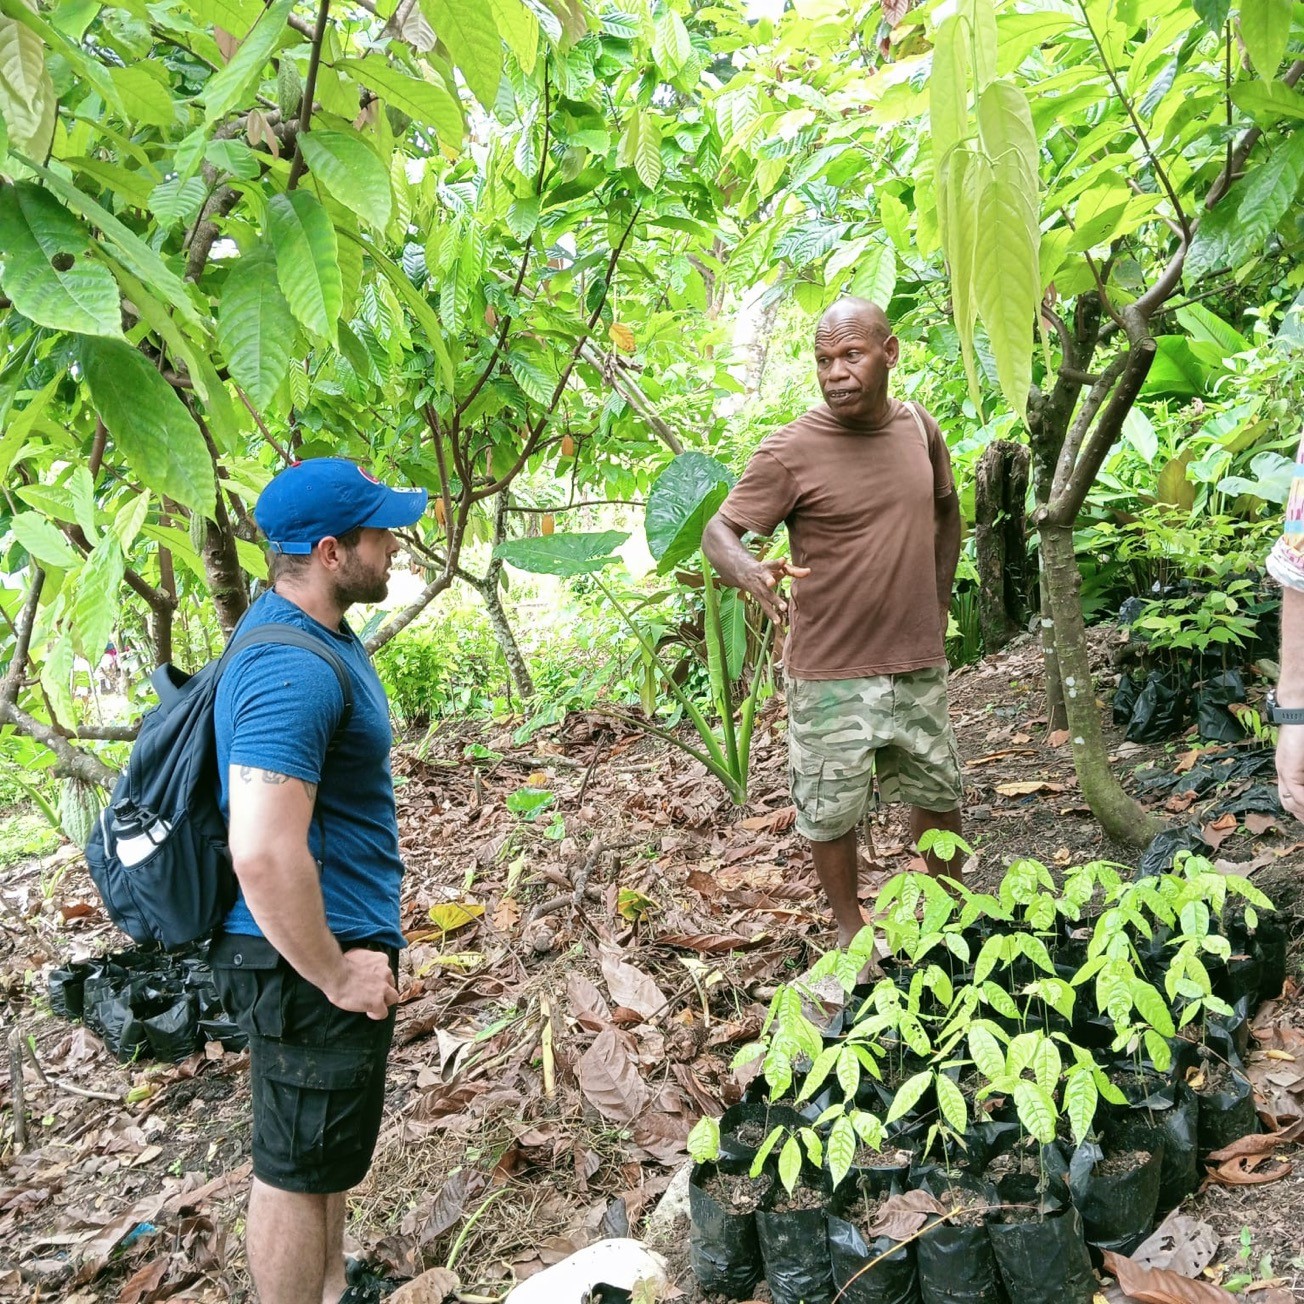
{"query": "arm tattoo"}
[(250, 773)]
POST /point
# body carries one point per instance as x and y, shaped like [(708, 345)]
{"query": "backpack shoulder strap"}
[(913, 408), (290, 636)]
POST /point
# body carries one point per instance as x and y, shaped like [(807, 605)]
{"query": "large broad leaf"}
[(27, 99), (95, 607), (1268, 100), (733, 624), (471, 36), (562, 554), (1182, 368), (144, 96), (307, 260), (948, 88), (1007, 281), (684, 497), (1272, 479), (255, 327), (148, 422), (1206, 327), (43, 540), (46, 272), (1265, 29), (428, 102), (875, 276), (1268, 194), (519, 27), (229, 86), (352, 172)]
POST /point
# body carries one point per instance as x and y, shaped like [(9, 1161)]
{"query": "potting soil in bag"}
[(955, 1258), (794, 1240), (1039, 1246), (1117, 1194), (1161, 709), (744, 1128), (1226, 1109), (174, 1031), (893, 1278), (1168, 1118), (722, 1246), (1269, 947)]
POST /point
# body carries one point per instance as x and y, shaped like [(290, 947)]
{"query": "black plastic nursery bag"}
[(722, 1248)]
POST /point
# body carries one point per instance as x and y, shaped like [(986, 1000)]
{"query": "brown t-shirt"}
[(859, 506)]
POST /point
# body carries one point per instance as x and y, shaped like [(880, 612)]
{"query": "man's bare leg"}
[(335, 1279), (838, 872), (949, 821), (285, 1239)]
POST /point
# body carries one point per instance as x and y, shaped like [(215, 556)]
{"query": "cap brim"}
[(398, 508)]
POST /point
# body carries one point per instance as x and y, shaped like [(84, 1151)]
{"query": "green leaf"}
[(951, 1102), (523, 217), (1268, 100), (531, 368), (1207, 328), (233, 156), (1181, 367), (1080, 1099), (56, 675), (46, 272), (875, 277), (671, 46), (1213, 13), (562, 554), (948, 88), (428, 102), (1007, 281), (255, 327), (307, 260), (1036, 1110), (1265, 29), (908, 1095), (27, 100), (1268, 194), (1152, 1007), (790, 1163), (640, 147), (848, 1072), (145, 98), (149, 424), (733, 626), (176, 202), (44, 541), (352, 172), (1160, 1052), (704, 1139), (683, 499), (841, 1149), (471, 36), (1046, 1065), (519, 27), (129, 518), (231, 85), (95, 607)]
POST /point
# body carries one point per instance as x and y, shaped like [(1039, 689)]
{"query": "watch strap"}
[(1284, 714)]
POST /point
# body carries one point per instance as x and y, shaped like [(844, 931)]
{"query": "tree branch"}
[(23, 637), (309, 90), (71, 760), (1237, 158)]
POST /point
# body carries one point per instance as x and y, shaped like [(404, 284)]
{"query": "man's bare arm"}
[(736, 567), (268, 836), (946, 546), (1290, 693)]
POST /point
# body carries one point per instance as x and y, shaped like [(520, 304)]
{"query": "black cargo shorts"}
[(317, 1073)]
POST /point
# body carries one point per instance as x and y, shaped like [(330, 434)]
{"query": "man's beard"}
[(355, 585)]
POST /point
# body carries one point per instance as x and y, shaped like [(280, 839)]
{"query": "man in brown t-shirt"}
[(863, 483)]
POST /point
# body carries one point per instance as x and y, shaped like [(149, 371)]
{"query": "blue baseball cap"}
[(326, 497)]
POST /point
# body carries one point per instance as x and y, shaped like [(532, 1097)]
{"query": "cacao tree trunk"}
[(504, 634), (1001, 541)]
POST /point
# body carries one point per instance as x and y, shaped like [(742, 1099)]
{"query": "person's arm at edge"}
[(270, 815), (1290, 693), (722, 544), (946, 548)]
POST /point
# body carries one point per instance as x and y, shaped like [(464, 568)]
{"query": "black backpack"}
[(158, 853)]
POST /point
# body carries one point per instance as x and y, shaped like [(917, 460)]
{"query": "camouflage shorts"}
[(842, 731)]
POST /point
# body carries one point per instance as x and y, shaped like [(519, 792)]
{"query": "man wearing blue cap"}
[(308, 960)]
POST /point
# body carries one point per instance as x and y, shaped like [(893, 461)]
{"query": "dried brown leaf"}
[(431, 1287), (1244, 1171), (1180, 1244), (903, 1215), (1158, 1286), (1027, 787), (609, 1080), (711, 943), (1260, 1143), (143, 1284), (630, 986)]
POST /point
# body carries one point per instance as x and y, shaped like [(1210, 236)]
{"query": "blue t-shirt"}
[(277, 709)]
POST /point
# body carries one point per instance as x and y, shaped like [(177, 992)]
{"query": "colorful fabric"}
[(1286, 561), (842, 731)]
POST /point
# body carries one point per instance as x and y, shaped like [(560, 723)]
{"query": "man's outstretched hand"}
[(762, 581), (365, 984), (1290, 768)]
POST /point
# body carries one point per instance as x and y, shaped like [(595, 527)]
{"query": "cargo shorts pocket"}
[(310, 1109), (251, 980), (830, 796)]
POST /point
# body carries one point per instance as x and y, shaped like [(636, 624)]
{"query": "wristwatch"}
[(1283, 714)]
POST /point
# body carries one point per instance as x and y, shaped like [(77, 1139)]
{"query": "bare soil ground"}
[(570, 1006)]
